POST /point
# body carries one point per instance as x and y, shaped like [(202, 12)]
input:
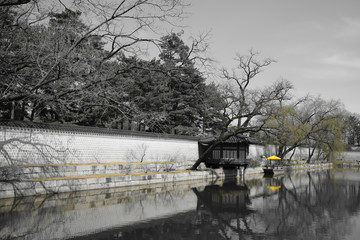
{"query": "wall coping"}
[(76, 129)]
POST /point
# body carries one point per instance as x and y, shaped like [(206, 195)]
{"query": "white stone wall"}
[(40, 146), (256, 151), (351, 156), (301, 153)]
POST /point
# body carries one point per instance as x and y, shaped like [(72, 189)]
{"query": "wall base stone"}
[(48, 186)]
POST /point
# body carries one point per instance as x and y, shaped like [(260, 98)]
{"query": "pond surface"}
[(304, 205)]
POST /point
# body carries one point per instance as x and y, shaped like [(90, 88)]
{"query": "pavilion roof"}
[(239, 138)]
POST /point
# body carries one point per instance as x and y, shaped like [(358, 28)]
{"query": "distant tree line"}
[(351, 132), (83, 64)]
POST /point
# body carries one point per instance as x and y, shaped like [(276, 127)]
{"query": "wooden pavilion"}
[(229, 154)]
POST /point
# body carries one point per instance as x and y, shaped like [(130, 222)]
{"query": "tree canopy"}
[(309, 122), (61, 71)]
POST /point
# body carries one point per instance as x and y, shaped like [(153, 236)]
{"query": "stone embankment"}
[(57, 178)]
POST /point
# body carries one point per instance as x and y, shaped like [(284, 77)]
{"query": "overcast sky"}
[(316, 42)]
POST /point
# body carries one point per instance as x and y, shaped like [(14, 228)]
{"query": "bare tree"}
[(244, 106), (125, 26)]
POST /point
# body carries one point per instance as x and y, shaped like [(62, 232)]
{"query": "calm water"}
[(308, 205)]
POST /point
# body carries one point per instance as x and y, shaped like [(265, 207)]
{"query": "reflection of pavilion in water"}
[(226, 207), (228, 204), (223, 211), (230, 198)]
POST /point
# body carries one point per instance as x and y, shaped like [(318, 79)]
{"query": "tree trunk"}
[(204, 154), (281, 153), (223, 136), (12, 110), (22, 117), (311, 153), (292, 154), (32, 115)]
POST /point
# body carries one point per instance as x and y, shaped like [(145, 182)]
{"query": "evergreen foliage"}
[(42, 80)]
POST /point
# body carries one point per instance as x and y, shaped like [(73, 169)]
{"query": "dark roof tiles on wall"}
[(11, 124)]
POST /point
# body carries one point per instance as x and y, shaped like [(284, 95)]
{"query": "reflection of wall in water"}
[(66, 215)]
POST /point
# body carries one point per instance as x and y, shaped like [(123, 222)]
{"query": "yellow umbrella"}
[(274, 187), (274, 158)]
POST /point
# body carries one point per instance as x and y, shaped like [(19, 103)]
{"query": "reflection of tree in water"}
[(31, 208), (197, 224), (139, 200), (315, 208)]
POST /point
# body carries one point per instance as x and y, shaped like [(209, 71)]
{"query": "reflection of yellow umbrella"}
[(274, 187), (274, 158)]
